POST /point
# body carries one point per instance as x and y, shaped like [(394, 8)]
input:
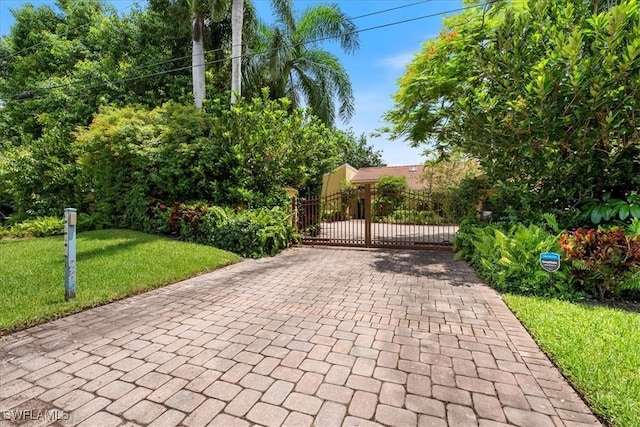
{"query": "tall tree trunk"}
[(197, 61), (237, 12)]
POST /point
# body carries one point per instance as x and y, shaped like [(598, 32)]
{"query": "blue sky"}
[(374, 69)]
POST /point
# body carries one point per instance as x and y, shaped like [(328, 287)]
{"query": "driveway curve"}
[(313, 336)]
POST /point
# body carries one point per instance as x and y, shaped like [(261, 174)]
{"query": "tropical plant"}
[(603, 260), (608, 208), (247, 232), (38, 227), (509, 259), (291, 64)]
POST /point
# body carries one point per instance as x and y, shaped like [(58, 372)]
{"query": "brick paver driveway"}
[(312, 336)]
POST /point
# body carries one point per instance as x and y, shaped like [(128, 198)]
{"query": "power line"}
[(142, 67), (404, 6), (378, 12), (135, 3), (252, 54)]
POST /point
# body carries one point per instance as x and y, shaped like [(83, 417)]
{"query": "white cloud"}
[(398, 61)]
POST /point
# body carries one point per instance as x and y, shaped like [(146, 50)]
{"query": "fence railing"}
[(369, 217)]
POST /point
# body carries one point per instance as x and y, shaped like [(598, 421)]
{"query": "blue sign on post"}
[(550, 261)]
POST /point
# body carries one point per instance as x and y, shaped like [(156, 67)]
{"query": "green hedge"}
[(251, 233)]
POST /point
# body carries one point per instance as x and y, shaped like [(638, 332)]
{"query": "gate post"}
[(293, 198), (367, 215)]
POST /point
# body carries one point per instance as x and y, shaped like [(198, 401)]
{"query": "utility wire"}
[(79, 27), (142, 67), (208, 51), (404, 6), (251, 54)]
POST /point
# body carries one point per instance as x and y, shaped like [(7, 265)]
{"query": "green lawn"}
[(111, 264), (597, 348)]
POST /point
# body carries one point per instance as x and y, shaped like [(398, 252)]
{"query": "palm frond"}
[(327, 68), (328, 22), (291, 66), (283, 10)]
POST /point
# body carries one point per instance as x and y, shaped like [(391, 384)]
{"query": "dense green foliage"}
[(75, 60), (111, 264), (612, 210), (604, 261), (70, 63), (508, 258), (544, 94), (251, 233), (390, 195), (82, 64), (243, 156), (424, 217), (595, 347), (38, 227), (354, 150)]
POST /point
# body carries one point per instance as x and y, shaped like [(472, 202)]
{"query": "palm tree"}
[(197, 8), (237, 11), (293, 66), (217, 13)]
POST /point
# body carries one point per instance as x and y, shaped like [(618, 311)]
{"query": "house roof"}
[(413, 174), (344, 165)]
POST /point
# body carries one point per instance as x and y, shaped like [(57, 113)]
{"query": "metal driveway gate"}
[(367, 217)]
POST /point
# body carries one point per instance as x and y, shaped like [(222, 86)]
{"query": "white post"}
[(70, 222)]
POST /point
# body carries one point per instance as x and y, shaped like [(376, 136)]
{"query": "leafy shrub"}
[(465, 199), (255, 233), (611, 209), (604, 260), (39, 178), (390, 195), (509, 260), (244, 156), (414, 217), (39, 227), (96, 221), (248, 232), (334, 215)]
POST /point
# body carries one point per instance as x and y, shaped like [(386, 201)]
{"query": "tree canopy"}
[(544, 94), (353, 149), (84, 56), (63, 68)]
